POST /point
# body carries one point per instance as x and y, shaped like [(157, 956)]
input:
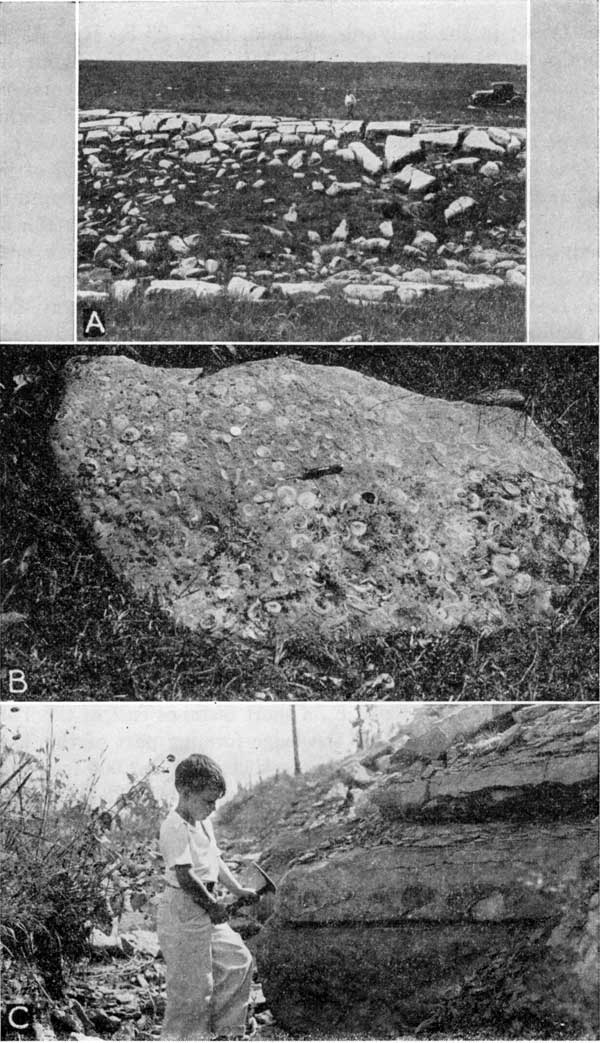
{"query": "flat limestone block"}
[(399, 151), (188, 288), (440, 873), (368, 160), (550, 760), (379, 128), (278, 497)]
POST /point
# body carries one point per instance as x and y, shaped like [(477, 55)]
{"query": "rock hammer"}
[(268, 886)]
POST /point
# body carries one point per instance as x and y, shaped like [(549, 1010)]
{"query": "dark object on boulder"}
[(509, 397)]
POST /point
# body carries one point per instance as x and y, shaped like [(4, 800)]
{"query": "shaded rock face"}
[(379, 1003), (276, 497), (460, 913)]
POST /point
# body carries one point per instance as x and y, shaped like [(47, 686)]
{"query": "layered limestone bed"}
[(410, 908), (182, 206), (276, 497)]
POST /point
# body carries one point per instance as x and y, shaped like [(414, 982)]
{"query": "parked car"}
[(500, 93)]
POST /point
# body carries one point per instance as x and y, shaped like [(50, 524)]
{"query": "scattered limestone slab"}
[(339, 187), (399, 151), (421, 183), (167, 165), (480, 141), (203, 137), (466, 164), (514, 277), (500, 136), (353, 127), (368, 292), (197, 159), (92, 296), (442, 139), (480, 281), (240, 287), (97, 137), (300, 289), (379, 128), (411, 291), (459, 207), (102, 124), (87, 115), (123, 289), (368, 160), (490, 169), (191, 289), (425, 241)]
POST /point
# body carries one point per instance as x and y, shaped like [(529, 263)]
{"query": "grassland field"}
[(384, 90)]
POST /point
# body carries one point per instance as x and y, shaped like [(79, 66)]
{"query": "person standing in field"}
[(209, 969), (350, 104)]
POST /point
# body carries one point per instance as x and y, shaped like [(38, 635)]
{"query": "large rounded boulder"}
[(279, 497)]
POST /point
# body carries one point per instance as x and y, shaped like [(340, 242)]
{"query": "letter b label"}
[(17, 685)]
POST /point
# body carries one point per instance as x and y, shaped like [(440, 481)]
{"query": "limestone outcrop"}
[(201, 198), (456, 915), (277, 497)]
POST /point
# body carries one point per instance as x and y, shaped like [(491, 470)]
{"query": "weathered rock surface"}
[(277, 497), (223, 180), (468, 872), (435, 904), (544, 750)]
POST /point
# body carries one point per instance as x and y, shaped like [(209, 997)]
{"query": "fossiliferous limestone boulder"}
[(279, 496)]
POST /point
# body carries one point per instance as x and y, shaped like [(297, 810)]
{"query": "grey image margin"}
[(37, 203)]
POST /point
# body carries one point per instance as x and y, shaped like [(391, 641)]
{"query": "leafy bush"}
[(65, 866)]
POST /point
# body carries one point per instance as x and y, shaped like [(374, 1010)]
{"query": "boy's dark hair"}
[(198, 771)]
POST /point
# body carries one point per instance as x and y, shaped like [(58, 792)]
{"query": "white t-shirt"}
[(184, 845)]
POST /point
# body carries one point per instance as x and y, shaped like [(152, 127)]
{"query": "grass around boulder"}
[(78, 632)]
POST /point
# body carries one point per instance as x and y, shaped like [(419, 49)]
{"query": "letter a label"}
[(94, 324)]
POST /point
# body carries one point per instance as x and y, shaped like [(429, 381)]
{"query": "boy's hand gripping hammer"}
[(268, 887)]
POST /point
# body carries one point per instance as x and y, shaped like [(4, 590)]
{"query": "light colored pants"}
[(209, 972)]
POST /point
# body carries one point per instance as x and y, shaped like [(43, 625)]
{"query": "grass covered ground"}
[(78, 632), (384, 90), (484, 316)]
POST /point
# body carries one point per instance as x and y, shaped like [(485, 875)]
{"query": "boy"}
[(209, 969)]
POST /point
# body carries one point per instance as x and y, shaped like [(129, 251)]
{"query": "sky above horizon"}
[(248, 740), (478, 31)]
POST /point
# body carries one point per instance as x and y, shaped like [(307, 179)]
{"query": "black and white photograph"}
[(313, 523), (374, 871), (303, 170), (299, 589)]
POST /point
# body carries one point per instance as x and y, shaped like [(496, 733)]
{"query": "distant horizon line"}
[(299, 61)]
